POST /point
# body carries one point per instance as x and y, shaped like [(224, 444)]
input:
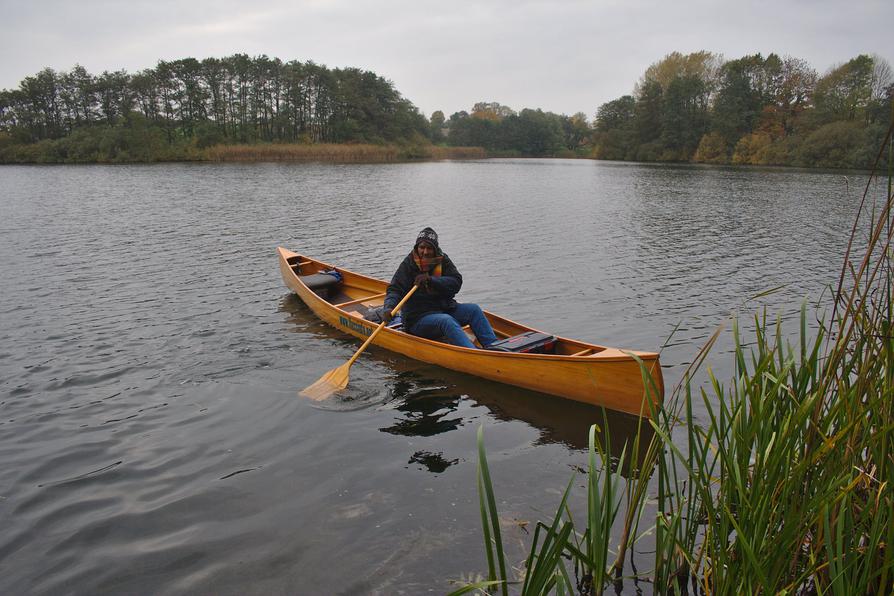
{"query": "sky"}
[(560, 56)]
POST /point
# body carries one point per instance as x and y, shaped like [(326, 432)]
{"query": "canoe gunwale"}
[(614, 354), (617, 382)]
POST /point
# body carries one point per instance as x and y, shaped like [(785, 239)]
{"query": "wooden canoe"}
[(577, 370)]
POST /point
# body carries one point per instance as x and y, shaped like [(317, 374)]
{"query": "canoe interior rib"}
[(573, 369)]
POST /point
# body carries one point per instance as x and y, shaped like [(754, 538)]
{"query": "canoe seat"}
[(530, 342), (322, 284)]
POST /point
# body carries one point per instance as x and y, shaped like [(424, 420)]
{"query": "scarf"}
[(431, 266)]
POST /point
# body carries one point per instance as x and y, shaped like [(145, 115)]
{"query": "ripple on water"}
[(150, 431)]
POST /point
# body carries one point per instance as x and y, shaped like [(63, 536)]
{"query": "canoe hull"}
[(607, 377)]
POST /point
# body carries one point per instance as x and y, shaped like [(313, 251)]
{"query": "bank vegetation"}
[(698, 107)]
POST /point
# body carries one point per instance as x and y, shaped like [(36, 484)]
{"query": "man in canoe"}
[(432, 312)]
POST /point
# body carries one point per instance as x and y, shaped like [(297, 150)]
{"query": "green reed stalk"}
[(490, 520), (544, 569), (603, 501), (787, 485)]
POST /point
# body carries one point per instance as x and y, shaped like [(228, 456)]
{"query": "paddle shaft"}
[(381, 326)]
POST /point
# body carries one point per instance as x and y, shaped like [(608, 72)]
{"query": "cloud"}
[(565, 56)]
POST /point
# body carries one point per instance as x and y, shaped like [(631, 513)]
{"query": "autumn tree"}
[(702, 65), (491, 110), (791, 96)]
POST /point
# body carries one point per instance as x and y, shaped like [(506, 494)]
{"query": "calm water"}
[(151, 438)]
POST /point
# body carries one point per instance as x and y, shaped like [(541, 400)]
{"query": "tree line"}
[(685, 108), (502, 131), (700, 108), (167, 110), (752, 110)]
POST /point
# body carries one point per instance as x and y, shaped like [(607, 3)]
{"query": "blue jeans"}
[(450, 326)]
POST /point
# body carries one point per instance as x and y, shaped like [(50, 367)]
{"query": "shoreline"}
[(347, 153), (34, 154)]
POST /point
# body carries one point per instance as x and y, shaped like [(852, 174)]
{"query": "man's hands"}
[(422, 280)]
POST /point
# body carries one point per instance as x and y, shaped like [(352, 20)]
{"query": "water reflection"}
[(427, 401), (433, 462), (426, 411)]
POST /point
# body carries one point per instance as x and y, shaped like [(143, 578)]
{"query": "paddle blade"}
[(334, 380)]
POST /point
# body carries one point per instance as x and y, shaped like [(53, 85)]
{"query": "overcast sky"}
[(561, 56)]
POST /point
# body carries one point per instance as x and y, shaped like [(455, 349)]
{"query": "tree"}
[(42, 112), (684, 117), (701, 65), (881, 91), (790, 96), (436, 127), (576, 130), (648, 112), (846, 90), (742, 93), (538, 133), (672, 100), (880, 79), (491, 111), (614, 132), (77, 93), (616, 114)]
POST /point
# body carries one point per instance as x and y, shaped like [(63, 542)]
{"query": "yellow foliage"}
[(486, 115), (702, 65), (491, 110), (711, 149), (771, 123), (753, 149)]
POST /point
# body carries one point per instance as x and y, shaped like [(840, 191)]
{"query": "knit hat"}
[(427, 235)]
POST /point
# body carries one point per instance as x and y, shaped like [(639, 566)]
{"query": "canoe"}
[(622, 380)]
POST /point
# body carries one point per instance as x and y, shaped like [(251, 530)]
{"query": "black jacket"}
[(437, 298)]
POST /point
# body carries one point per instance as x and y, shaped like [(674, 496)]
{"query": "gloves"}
[(386, 315), (422, 280)]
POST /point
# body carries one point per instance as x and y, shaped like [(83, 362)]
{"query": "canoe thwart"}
[(359, 300), (582, 352), (296, 263)]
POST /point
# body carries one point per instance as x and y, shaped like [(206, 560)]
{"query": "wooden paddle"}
[(337, 378)]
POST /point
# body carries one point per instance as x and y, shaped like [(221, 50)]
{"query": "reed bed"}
[(338, 153), (786, 487)]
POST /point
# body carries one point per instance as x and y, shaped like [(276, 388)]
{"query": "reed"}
[(786, 487), (338, 153)]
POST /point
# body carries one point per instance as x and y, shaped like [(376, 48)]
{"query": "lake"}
[(151, 435)]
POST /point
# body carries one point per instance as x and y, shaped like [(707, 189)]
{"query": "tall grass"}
[(338, 153), (786, 487)]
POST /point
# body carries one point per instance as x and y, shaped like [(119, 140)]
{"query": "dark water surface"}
[(151, 438)]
